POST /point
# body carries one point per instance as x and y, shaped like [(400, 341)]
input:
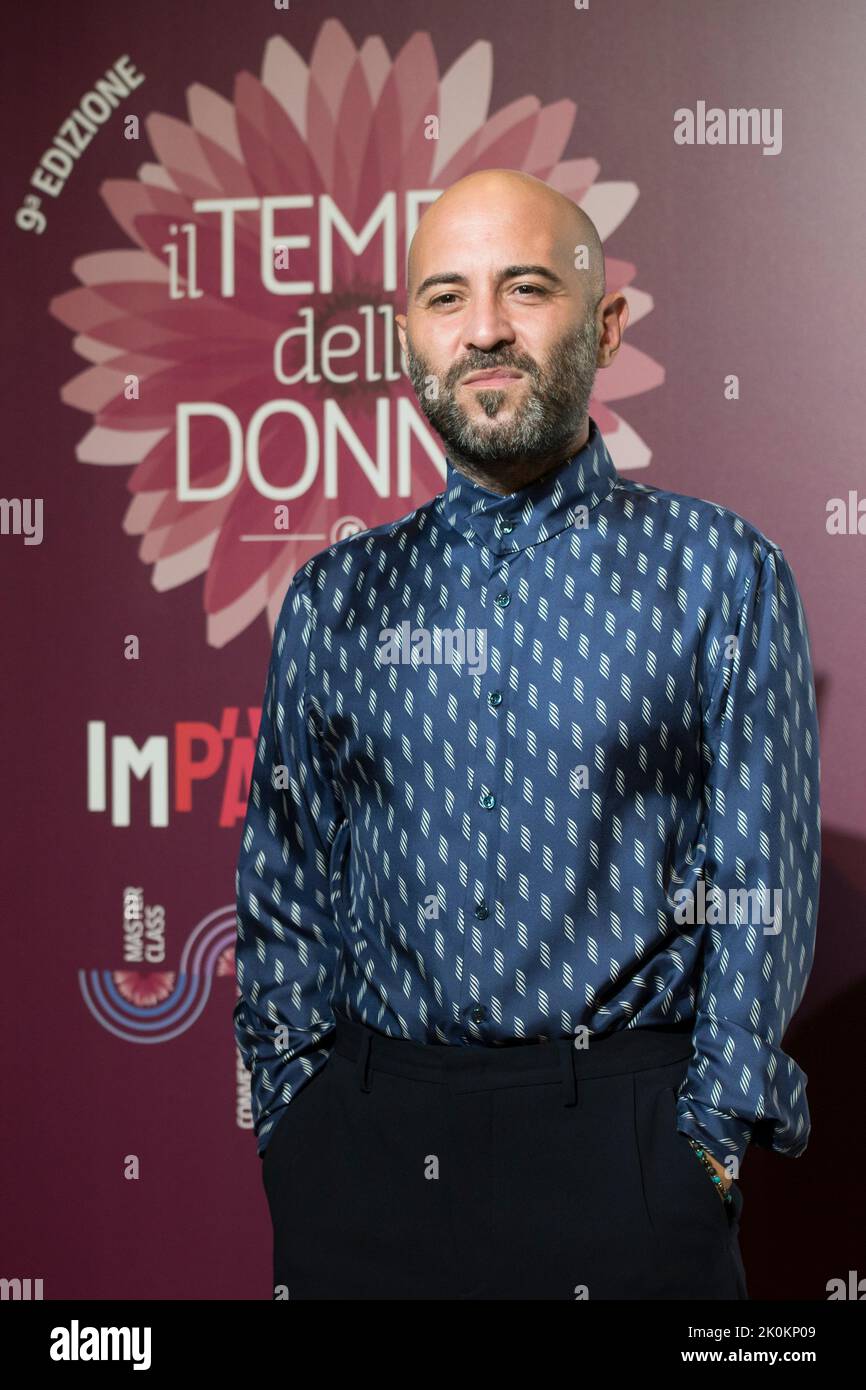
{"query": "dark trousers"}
[(526, 1171)]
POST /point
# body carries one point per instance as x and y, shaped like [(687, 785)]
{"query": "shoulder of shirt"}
[(692, 515), (342, 559)]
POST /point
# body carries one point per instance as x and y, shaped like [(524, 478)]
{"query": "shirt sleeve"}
[(762, 832), (288, 942)]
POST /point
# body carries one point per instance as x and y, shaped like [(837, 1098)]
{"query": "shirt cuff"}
[(721, 1135)]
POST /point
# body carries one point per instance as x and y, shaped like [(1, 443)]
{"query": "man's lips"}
[(491, 376)]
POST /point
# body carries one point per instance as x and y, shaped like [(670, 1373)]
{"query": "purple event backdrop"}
[(735, 262)]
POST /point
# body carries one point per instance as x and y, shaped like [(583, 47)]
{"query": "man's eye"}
[(441, 298)]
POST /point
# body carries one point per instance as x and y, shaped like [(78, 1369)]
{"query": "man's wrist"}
[(727, 1180)]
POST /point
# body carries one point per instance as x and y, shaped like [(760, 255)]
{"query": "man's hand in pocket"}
[(727, 1182)]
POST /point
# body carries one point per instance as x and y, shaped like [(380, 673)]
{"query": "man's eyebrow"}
[(513, 272), (510, 272)]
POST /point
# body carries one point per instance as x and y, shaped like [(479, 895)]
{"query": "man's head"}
[(505, 272)]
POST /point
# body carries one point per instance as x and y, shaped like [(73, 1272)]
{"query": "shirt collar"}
[(535, 512)]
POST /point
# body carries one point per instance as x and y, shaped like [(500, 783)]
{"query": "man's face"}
[(532, 325)]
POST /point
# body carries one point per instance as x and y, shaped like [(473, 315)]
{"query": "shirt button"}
[(487, 800), (478, 1013), (494, 698), (481, 909), (502, 599), (506, 528)]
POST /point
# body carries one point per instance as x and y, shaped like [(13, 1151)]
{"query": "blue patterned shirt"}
[(538, 765)]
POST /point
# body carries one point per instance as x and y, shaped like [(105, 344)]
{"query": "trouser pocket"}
[(694, 1230), (291, 1126), (677, 1186)]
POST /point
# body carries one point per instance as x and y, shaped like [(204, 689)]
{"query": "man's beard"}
[(548, 418)]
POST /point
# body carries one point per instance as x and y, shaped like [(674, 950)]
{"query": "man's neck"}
[(517, 473)]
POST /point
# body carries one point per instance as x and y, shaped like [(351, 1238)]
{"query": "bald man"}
[(509, 988)]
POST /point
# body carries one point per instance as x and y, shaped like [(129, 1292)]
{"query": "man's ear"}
[(401, 322), (614, 317)]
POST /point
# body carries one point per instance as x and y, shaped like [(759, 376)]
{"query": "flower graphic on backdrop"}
[(144, 988), (350, 125)]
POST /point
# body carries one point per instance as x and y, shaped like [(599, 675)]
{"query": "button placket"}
[(478, 958), (477, 902)]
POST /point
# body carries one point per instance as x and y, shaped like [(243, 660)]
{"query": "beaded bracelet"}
[(701, 1153)]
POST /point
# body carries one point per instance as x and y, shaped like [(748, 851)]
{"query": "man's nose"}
[(486, 326)]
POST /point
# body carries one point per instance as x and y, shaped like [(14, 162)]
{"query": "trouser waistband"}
[(479, 1067)]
